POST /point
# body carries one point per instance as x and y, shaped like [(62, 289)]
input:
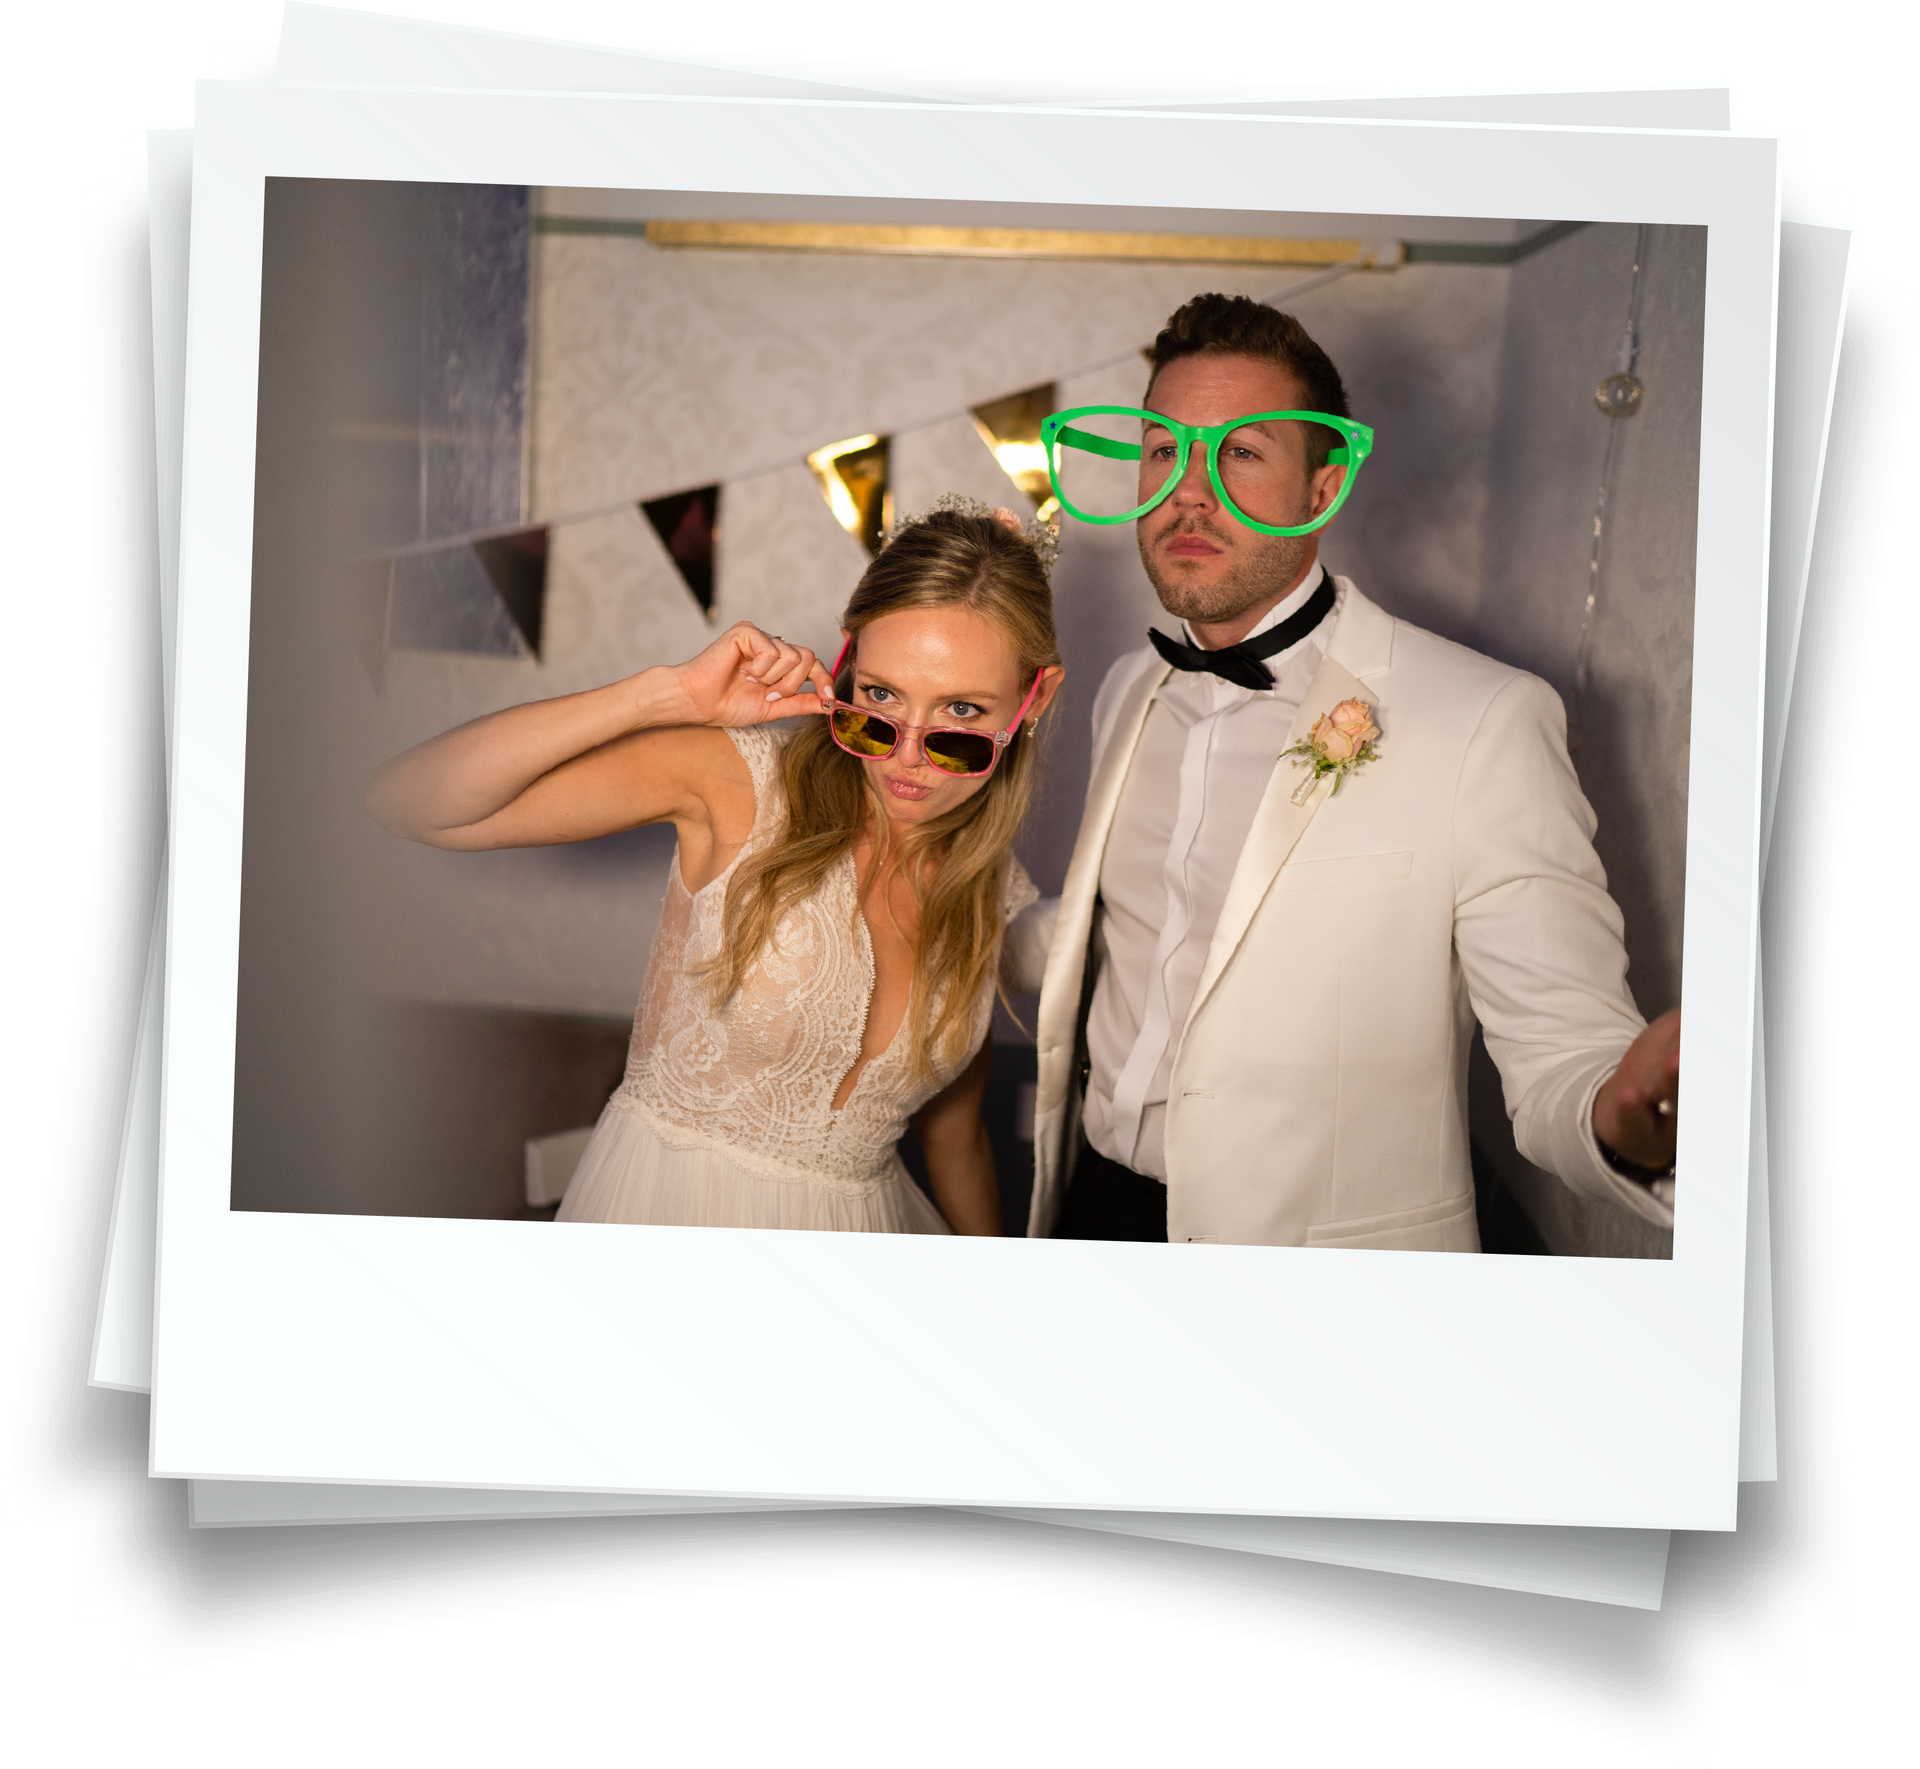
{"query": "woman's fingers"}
[(791, 672), (759, 652), (802, 689), (791, 678), (765, 658), (792, 707), (748, 675)]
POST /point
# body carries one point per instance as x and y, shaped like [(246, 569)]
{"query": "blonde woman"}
[(827, 957)]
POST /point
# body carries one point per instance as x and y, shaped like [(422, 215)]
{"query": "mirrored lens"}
[(960, 752), (1263, 469), (1098, 462), (863, 733)]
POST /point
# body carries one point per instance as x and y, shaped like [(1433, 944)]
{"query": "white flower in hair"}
[(1042, 537)]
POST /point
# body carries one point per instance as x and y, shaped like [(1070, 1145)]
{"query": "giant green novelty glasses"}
[(1113, 463)]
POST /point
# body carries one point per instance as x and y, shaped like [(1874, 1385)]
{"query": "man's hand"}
[(1636, 1113)]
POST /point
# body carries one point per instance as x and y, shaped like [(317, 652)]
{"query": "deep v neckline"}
[(862, 1067)]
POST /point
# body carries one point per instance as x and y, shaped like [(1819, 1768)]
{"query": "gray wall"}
[(1565, 315), (336, 471)]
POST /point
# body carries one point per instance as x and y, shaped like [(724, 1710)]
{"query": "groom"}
[(1260, 993)]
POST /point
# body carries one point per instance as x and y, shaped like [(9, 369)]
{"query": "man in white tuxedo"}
[(1263, 975)]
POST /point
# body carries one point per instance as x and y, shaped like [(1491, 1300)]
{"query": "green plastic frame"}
[(1057, 432)]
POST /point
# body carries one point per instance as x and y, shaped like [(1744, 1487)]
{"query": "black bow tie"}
[(1240, 664)]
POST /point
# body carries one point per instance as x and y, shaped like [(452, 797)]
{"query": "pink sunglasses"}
[(951, 748)]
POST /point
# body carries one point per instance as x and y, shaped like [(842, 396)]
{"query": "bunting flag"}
[(1010, 427), (484, 595), (516, 565), (688, 524), (854, 479)]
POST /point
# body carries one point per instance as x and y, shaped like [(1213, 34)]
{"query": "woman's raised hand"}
[(747, 677)]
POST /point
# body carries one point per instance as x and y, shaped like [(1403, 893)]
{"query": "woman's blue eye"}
[(877, 695), (964, 709)]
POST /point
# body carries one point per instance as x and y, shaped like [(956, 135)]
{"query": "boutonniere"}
[(1339, 742)]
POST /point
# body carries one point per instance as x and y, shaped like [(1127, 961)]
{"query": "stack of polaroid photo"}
[(601, 1055)]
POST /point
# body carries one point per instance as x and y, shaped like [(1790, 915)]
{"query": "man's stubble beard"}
[(1260, 573)]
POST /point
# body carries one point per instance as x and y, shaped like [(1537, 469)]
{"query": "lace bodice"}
[(757, 1077)]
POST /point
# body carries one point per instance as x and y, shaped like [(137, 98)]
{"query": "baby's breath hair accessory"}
[(1042, 537)]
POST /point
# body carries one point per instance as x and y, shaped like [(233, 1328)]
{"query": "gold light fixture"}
[(1019, 242), (1010, 427), (854, 479)]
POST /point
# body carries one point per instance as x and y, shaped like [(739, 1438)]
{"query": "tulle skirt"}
[(630, 1174)]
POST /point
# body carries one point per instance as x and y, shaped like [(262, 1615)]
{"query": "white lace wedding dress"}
[(725, 1118)]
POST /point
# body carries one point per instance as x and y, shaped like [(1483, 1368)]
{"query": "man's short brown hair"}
[(1233, 325)]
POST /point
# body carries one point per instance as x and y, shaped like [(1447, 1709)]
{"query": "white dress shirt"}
[(1205, 755)]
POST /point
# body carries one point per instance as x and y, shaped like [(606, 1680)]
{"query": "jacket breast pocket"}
[(1344, 872)]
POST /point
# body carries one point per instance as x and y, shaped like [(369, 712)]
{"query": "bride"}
[(826, 960)]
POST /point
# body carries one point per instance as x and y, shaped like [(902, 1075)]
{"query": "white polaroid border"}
[(894, 1368)]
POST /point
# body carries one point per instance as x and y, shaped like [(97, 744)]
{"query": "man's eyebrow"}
[(1257, 420)]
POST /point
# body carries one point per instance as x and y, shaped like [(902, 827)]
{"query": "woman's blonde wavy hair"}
[(949, 559)]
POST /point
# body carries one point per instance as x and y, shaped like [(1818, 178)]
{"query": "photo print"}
[(518, 442)]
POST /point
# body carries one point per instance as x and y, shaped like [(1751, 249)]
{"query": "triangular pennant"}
[(476, 597), (516, 566), (1010, 427), (855, 480), (688, 524)]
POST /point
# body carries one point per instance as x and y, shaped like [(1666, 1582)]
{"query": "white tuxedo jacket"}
[(1319, 1085)]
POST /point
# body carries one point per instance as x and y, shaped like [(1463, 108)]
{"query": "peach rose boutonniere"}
[(1339, 742)]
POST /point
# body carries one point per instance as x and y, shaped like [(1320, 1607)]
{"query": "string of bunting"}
[(484, 591)]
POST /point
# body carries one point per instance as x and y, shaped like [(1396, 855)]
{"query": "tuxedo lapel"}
[(1278, 824)]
